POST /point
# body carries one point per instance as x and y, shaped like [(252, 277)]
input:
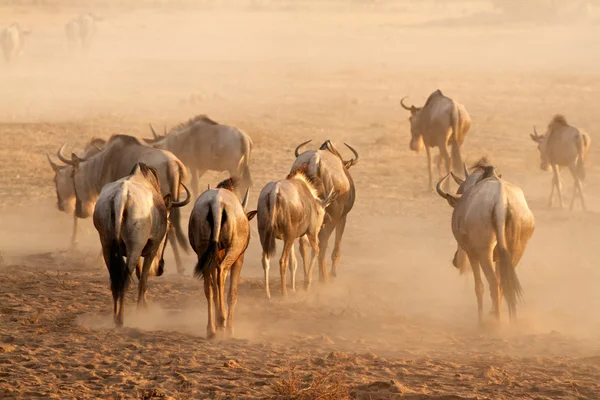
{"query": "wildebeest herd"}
[(133, 191)]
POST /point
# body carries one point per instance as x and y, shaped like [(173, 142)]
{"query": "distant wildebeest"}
[(219, 233), (131, 218), (327, 167), (563, 145), (289, 209), (205, 145), (81, 30), (118, 157), (12, 41), (439, 123), (491, 222), (63, 180)]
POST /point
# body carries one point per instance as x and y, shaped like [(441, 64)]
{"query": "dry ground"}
[(399, 322)]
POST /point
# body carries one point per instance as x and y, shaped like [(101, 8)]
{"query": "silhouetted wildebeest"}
[(441, 121), (131, 217), (81, 30), (219, 233), (326, 166), (563, 145), (289, 209), (491, 222), (205, 145), (12, 41)]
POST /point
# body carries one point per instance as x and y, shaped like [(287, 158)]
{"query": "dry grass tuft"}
[(290, 386)]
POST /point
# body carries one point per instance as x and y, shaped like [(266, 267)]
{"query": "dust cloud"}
[(286, 72)]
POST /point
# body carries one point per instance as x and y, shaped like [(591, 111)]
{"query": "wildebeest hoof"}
[(211, 335)]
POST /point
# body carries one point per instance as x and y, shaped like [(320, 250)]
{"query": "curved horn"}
[(297, 151), (54, 166), (153, 132), (404, 105), (97, 147), (438, 187), (187, 199), (466, 170), (353, 161), (245, 201), (457, 179), (63, 158), (535, 131)]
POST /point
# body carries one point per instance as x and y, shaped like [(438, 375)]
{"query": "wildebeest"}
[(118, 157), (326, 167), (219, 233), (288, 209), (131, 218), (563, 145), (205, 145), (12, 41), (441, 121), (81, 30), (63, 181), (491, 222)]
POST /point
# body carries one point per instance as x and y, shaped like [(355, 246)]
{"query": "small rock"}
[(336, 355), (231, 364)]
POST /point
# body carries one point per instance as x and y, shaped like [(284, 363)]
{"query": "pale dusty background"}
[(286, 72)]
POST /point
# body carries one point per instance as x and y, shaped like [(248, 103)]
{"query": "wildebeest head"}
[(541, 141), (155, 136), (328, 145), (416, 140), (63, 182), (482, 172)]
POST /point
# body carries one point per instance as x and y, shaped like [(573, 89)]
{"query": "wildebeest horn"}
[(54, 166), (535, 131), (245, 201), (97, 147), (153, 132), (466, 170), (457, 179), (353, 161), (404, 105), (297, 151), (63, 158), (187, 198), (449, 198)]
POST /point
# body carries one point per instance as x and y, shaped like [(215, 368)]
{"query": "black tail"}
[(179, 234), (208, 258), (511, 287), (120, 276)]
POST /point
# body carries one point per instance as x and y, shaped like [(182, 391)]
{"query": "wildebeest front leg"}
[(556, 171), (74, 234), (336, 253), (429, 168), (208, 291), (304, 253), (283, 263), (234, 281), (266, 265), (293, 265), (577, 187), (143, 283)]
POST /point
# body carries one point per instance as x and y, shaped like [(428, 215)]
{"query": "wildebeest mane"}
[(126, 139), (481, 163), (313, 182), (229, 184), (198, 118), (149, 173), (559, 119)]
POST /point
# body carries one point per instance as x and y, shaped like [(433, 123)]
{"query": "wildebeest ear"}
[(452, 200), (55, 167), (251, 214), (149, 141), (458, 180), (168, 200)]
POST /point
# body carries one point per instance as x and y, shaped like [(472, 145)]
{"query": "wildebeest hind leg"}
[(429, 168), (293, 265), (266, 265), (487, 267), (283, 263), (324, 236), (173, 243), (336, 253), (234, 281), (208, 291), (304, 253), (478, 285)]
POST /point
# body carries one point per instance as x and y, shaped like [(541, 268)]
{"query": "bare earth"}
[(399, 321)]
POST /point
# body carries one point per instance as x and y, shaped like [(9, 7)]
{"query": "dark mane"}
[(229, 184), (198, 118), (149, 173), (124, 138), (559, 119), (481, 163)]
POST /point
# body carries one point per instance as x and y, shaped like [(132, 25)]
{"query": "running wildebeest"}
[(219, 233), (131, 218), (116, 160), (288, 209), (205, 145), (439, 123), (63, 180), (563, 145), (326, 167), (12, 41), (81, 30), (491, 222)]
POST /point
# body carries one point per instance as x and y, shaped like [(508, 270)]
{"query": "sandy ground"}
[(399, 322)]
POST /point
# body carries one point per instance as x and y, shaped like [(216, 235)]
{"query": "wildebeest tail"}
[(269, 245), (455, 141), (244, 164), (509, 282), (117, 269), (581, 145), (215, 217)]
